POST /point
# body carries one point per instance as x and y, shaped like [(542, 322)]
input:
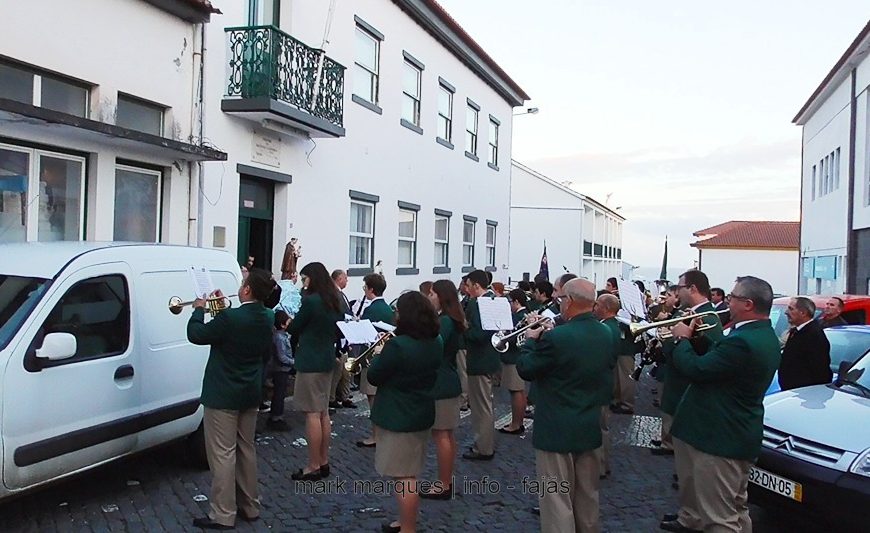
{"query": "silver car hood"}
[(823, 414)]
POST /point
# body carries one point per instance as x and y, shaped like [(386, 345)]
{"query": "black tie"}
[(791, 333)]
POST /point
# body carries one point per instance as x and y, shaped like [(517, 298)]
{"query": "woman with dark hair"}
[(315, 327), (240, 339), (448, 388), (404, 373)]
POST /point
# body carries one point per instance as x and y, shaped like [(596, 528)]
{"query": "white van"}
[(93, 366)]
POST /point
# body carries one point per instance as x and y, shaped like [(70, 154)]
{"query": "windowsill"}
[(444, 142), (466, 270), (407, 271), (360, 271), (366, 104), (490, 269), (469, 155), (411, 126), (441, 270), (494, 167)]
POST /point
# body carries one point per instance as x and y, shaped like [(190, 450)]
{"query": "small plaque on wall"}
[(219, 238), (266, 149)]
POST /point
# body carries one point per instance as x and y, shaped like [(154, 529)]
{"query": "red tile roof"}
[(747, 234)]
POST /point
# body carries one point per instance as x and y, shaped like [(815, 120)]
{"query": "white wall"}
[(777, 267), (378, 156), (862, 147)]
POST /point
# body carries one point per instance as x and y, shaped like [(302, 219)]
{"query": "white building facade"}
[(390, 156), (100, 140), (835, 178), (582, 235)]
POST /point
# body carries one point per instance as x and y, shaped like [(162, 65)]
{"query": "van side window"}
[(97, 312)]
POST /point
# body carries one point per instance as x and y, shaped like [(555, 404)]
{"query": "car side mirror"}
[(57, 346), (841, 372)]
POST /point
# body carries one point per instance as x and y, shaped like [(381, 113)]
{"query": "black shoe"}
[(445, 494), (476, 456), (364, 444), (324, 470), (390, 528), (670, 517), (519, 431), (621, 410), (247, 518), (265, 406), (676, 477), (655, 442), (464, 408), (334, 405), (676, 527), (277, 425), (661, 451), (208, 523), (300, 475), (536, 511), (348, 404), (675, 485)]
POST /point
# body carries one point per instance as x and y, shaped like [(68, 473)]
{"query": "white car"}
[(93, 366)]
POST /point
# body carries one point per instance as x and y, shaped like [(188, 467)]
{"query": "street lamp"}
[(528, 111)]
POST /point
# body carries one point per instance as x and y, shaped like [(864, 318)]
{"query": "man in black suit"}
[(717, 298), (806, 357), (832, 315)]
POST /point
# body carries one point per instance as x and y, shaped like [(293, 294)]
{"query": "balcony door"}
[(264, 13), (256, 211)]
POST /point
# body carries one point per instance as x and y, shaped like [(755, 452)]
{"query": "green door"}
[(256, 210)]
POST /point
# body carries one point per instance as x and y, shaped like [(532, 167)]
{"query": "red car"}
[(856, 309)]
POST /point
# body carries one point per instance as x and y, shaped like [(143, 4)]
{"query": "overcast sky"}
[(681, 109)]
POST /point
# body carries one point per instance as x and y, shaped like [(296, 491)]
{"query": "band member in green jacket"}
[(719, 421), (405, 372), (606, 308), (315, 327), (510, 380), (376, 310), (240, 340), (569, 364)]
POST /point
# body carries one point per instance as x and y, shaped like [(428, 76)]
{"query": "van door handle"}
[(124, 372)]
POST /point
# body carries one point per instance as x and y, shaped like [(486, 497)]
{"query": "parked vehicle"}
[(856, 310), (815, 458), (848, 343), (93, 366)]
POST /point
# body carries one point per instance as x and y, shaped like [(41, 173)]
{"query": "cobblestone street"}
[(158, 491)]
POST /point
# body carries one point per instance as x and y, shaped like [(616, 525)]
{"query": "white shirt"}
[(365, 303), (695, 308), (802, 325), (739, 324)]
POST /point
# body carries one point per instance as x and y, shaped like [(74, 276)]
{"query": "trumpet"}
[(501, 341), (355, 365), (636, 329), (214, 304)]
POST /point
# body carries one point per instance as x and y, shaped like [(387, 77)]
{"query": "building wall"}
[(862, 148), (378, 156), (777, 267)]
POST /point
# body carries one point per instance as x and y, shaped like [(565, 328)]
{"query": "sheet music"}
[(495, 314), (630, 298), (202, 282), (383, 326), (548, 314), (358, 332)]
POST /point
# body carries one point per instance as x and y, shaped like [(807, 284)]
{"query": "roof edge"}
[(864, 34), (568, 190)]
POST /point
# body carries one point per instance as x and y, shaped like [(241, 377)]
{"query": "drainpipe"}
[(319, 73), (195, 209), (851, 236)]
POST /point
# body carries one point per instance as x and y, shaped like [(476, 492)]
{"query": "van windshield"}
[(18, 297)]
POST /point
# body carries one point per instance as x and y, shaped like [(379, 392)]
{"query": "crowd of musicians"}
[(572, 369)]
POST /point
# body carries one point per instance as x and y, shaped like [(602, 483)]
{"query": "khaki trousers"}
[(603, 453), (339, 376), (461, 366), (688, 513), (574, 509), (667, 440), (482, 421), (232, 459), (626, 388), (720, 486)]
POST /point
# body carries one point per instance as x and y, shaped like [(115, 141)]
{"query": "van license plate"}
[(780, 485)]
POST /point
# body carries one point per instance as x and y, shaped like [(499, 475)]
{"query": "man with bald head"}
[(570, 365), (624, 389), (605, 311)]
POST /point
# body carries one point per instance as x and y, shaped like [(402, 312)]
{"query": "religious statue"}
[(292, 253)]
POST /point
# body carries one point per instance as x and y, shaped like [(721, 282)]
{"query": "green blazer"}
[(379, 311), (675, 382), (569, 365), (404, 373), (315, 327), (510, 357), (447, 384), (241, 343), (619, 345), (482, 359), (721, 412)]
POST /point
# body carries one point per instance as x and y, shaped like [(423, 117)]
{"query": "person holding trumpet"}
[(240, 342), (376, 310), (509, 377)]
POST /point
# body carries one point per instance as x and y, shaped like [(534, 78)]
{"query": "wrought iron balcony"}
[(273, 76)]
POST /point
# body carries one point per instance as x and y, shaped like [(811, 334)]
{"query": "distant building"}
[(835, 177), (582, 235), (765, 249)]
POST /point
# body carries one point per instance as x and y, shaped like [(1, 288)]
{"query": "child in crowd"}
[(279, 368)]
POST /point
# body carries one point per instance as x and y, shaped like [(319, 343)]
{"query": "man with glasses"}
[(718, 425)]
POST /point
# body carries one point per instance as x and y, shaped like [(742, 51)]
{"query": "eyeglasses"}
[(733, 296), (560, 299)]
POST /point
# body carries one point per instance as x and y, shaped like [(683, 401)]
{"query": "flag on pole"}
[(544, 270), (664, 272)]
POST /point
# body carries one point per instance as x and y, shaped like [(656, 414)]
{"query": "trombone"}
[(354, 366), (501, 341), (214, 304), (636, 328)]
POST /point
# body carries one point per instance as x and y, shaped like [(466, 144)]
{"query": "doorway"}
[(256, 211)]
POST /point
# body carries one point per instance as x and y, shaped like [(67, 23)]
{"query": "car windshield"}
[(860, 372), (18, 297), (846, 345)]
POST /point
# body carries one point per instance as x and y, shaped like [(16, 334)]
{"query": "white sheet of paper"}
[(383, 326), (495, 314), (358, 332), (630, 298), (202, 283), (548, 314)]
